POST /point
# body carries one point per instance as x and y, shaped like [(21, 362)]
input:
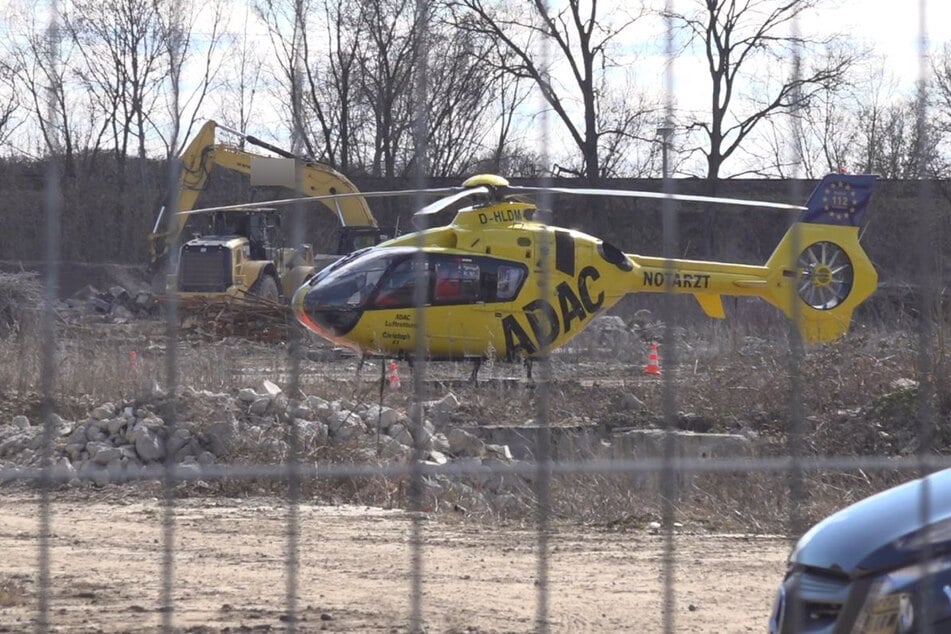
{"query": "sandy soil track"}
[(355, 562)]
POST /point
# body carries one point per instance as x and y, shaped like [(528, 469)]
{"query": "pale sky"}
[(893, 27), (889, 27)]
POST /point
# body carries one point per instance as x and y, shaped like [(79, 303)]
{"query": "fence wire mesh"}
[(549, 457)]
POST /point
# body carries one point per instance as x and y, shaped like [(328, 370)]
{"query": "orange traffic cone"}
[(653, 361), (394, 377)]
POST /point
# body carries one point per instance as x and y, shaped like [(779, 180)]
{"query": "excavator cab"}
[(350, 239), (258, 226), (259, 230)]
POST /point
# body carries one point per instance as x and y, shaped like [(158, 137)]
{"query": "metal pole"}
[(665, 131)]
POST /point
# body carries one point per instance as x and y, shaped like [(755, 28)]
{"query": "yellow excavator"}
[(244, 252)]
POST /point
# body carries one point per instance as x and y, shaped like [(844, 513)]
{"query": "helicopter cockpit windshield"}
[(386, 279), (334, 300)]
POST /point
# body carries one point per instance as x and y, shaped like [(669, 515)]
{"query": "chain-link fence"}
[(155, 480)]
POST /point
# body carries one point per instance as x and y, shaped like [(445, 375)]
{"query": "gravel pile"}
[(115, 442)]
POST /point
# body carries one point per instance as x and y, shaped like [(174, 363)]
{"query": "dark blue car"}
[(880, 566)]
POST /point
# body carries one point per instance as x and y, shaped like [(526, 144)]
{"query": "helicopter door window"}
[(457, 281), (398, 290)]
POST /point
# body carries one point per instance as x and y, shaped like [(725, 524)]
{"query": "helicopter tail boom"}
[(817, 275)]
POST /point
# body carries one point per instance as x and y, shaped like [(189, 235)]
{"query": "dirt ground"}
[(354, 574)]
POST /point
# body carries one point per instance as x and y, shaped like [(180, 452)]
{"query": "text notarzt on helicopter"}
[(681, 280)]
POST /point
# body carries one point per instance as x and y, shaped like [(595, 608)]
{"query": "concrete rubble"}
[(115, 442), (118, 442), (610, 334), (115, 305)]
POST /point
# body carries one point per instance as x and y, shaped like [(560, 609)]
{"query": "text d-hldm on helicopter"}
[(483, 297)]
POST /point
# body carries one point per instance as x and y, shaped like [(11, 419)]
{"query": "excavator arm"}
[(204, 153)]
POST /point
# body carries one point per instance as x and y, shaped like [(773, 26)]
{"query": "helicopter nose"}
[(316, 308), (305, 309)]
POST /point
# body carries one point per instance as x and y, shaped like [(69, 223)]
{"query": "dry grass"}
[(725, 377)]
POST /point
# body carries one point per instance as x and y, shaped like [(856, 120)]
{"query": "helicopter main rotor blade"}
[(436, 191), (631, 193), (460, 193), (443, 203)]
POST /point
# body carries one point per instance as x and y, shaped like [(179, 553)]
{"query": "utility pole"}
[(665, 131)]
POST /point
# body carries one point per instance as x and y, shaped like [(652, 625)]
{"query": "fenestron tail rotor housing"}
[(825, 275)]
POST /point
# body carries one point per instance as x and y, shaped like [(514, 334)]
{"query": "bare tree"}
[(626, 120), (122, 46), (509, 141), (866, 124), (387, 66), (740, 41), (345, 32), (894, 145), (243, 79), (183, 54), (824, 132), (462, 100), (39, 69), (356, 103), (828, 135), (316, 45), (506, 154), (581, 42), (9, 98), (941, 106), (288, 26)]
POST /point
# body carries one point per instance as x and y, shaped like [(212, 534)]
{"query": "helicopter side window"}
[(457, 281), (508, 281), (450, 279), (398, 290)]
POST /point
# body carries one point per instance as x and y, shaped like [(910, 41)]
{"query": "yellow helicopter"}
[(482, 294), (484, 291)]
